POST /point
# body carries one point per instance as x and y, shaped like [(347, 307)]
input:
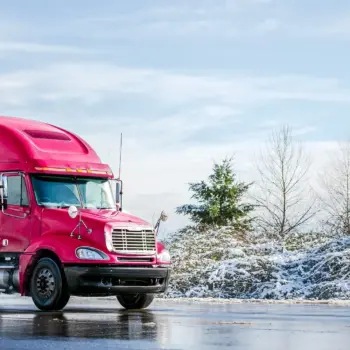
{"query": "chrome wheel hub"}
[(45, 283)]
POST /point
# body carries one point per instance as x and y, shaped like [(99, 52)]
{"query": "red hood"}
[(57, 221), (114, 217)]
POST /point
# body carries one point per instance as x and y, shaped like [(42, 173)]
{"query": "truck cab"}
[(62, 228)]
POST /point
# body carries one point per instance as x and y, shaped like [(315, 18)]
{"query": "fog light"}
[(164, 257)]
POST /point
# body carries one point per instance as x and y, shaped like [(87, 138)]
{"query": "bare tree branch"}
[(283, 195), (335, 197)]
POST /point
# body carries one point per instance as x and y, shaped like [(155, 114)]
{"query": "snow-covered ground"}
[(213, 264), (17, 300)]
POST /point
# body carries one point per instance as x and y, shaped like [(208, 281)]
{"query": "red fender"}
[(63, 247)]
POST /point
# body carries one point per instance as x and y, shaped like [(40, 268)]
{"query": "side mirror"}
[(73, 211), (118, 195), (4, 193), (163, 216), (117, 192)]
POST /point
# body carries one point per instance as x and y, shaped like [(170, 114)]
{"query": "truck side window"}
[(17, 193)]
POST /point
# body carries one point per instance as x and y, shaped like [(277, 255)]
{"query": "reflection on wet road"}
[(173, 325)]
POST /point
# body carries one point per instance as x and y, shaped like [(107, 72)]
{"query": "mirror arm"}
[(73, 212)]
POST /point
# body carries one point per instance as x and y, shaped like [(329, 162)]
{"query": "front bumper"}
[(111, 280)]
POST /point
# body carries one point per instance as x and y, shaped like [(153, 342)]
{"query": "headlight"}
[(90, 254), (164, 257)]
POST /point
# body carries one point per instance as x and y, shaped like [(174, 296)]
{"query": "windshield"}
[(61, 192)]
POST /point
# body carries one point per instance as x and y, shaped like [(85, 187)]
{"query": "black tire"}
[(48, 286), (135, 301)]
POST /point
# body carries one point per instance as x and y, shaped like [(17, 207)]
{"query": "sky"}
[(187, 83)]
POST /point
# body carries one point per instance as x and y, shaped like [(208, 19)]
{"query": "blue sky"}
[(187, 82)]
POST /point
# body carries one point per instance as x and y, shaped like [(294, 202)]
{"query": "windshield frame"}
[(77, 181)]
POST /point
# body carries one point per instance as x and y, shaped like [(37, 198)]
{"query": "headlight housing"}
[(87, 253), (109, 242), (164, 257), (108, 237)]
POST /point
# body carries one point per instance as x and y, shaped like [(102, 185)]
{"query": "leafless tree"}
[(335, 191), (284, 199)]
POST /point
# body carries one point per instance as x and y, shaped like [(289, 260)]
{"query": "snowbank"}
[(215, 267), (212, 264)]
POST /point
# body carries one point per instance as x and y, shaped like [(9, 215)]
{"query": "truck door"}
[(15, 220)]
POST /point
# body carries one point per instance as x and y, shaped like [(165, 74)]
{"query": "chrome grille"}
[(134, 240)]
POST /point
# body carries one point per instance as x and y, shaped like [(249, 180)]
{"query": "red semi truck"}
[(62, 228)]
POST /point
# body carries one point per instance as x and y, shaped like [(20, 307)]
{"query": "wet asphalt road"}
[(103, 324)]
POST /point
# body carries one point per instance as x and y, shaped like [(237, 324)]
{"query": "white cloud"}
[(236, 20), (209, 19), (187, 104), (28, 47), (157, 166), (333, 27), (11, 29), (99, 81), (27, 37)]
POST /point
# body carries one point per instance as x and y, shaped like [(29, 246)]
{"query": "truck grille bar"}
[(134, 240)]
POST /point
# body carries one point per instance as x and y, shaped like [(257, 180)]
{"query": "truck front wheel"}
[(48, 287), (135, 301)]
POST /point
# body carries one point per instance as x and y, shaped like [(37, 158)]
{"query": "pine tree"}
[(219, 200)]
